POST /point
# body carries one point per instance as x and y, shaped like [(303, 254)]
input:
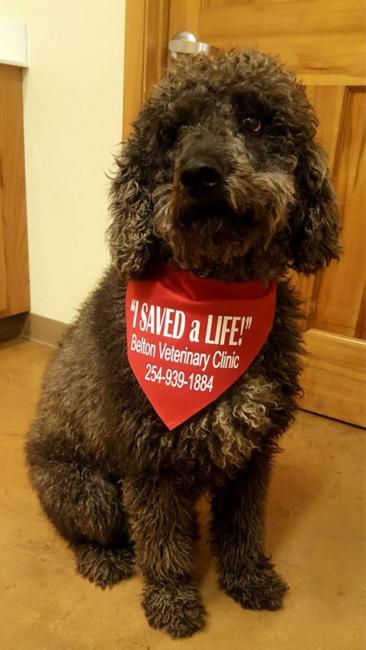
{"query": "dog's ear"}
[(314, 222), (130, 237)]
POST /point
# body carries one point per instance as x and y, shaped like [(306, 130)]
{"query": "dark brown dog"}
[(221, 176)]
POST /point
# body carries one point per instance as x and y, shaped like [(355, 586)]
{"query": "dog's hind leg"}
[(86, 507)]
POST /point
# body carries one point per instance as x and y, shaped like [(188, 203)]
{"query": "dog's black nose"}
[(200, 175)]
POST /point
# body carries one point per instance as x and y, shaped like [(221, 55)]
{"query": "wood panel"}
[(328, 103), (334, 376), (12, 188), (341, 292), (321, 39)]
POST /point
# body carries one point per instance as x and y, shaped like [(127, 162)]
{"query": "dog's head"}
[(222, 175)]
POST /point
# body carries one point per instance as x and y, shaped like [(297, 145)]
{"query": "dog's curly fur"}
[(115, 482)]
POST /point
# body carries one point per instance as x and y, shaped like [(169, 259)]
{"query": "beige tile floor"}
[(315, 535)]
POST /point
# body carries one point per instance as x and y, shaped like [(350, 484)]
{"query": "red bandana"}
[(189, 339)]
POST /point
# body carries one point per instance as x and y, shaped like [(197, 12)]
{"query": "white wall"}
[(72, 122)]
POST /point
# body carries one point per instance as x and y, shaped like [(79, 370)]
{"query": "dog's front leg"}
[(163, 528), (237, 536)]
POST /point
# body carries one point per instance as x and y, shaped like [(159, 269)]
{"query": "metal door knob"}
[(186, 43)]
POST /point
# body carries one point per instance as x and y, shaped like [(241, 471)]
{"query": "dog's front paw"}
[(177, 609), (257, 587)]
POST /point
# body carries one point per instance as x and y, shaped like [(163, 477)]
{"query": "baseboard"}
[(43, 330)]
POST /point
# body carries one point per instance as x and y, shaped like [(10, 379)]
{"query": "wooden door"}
[(324, 40)]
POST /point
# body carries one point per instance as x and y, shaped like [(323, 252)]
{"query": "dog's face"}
[(222, 175)]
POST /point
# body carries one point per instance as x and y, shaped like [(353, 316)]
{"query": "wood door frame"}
[(146, 47)]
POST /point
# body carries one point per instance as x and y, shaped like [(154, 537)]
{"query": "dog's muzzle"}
[(201, 175)]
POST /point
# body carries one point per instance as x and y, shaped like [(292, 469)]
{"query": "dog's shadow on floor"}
[(292, 492)]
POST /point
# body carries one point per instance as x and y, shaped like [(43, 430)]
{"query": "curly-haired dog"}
[(222, 177)]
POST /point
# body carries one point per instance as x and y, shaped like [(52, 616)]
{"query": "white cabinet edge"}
[(14, 44)]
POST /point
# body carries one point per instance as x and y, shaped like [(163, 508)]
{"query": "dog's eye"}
[(252, 123), (170, 134)]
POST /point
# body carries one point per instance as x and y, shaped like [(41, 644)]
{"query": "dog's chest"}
[(220, 439)]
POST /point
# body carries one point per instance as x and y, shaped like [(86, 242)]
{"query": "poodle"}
[(222, 179)]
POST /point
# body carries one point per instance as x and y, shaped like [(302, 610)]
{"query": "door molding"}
[(146, 46)]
